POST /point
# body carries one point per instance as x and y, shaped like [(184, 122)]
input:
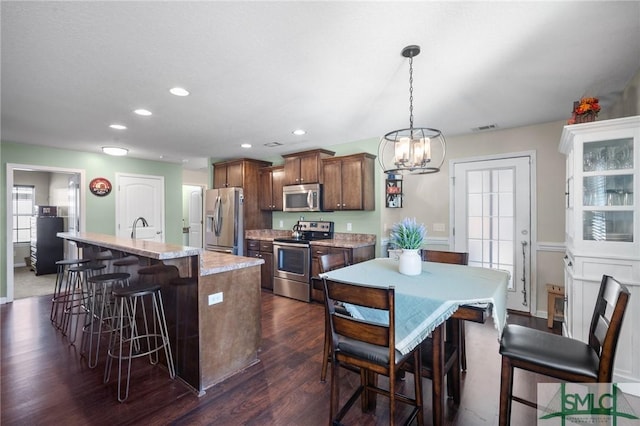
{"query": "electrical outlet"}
[(438, 227), (349, 226), (215, 298), (281, 224)]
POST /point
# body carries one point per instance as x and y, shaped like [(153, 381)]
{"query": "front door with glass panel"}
[(492, 220)]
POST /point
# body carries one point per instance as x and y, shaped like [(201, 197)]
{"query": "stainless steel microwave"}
[(302, 198)]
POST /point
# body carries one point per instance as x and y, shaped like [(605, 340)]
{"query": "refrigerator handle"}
[(216, 216)]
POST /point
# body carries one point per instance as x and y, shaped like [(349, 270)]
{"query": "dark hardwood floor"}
[(45, 381)]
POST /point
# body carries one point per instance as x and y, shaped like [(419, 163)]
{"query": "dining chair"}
[(452, 344), (456, 258), (329, 262), (369, 346), (561, 357)]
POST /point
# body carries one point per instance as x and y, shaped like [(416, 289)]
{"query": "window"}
[(23, 202)]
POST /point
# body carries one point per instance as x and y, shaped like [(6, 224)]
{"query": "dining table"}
[(425, 301)]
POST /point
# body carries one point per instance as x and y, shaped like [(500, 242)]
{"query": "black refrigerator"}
[(46, 247)]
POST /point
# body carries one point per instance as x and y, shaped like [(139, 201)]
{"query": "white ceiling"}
[(258, 70)]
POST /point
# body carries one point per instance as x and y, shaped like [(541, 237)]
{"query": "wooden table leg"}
[(368, 399), (437, 380)]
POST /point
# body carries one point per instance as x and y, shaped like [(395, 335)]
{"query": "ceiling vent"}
[(485, 128), (273, 144)]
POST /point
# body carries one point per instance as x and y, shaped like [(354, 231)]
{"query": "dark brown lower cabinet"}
[(354, 255), (264, 250)]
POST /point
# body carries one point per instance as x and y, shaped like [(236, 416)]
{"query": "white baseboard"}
[(540, 314)]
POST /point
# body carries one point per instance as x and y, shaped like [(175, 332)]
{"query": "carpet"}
[(27, 284)]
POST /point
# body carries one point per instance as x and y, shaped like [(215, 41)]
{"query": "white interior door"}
[(140, 196), (195, 217), (73, 215), (492, 220)]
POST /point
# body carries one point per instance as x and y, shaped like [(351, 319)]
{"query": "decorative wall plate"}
[(100, 187)]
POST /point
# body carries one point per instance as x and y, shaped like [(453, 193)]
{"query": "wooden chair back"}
[(368, 346), (606, 324), (359, 330), (562, 357), (331, 261), (458, 258)]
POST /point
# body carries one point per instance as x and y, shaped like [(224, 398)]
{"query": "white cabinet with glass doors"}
[(602, 227)]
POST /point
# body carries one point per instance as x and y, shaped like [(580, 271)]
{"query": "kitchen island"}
[(211, 300)]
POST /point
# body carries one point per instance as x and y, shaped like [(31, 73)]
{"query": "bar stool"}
[(127, 340), (100, 314), (76, 302), (60, 290), (122, 264), (107, 258), (157, 273)]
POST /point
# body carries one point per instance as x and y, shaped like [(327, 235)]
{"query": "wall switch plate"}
[(215, 298), (348, 226), (438, 227)]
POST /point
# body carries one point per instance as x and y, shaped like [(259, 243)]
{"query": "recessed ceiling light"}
[(179, 91), (118, 126), (299, 132), (246, 145), (112, 150), (143, 112)]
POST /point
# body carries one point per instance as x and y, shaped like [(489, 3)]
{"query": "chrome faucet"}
[(135, 223)]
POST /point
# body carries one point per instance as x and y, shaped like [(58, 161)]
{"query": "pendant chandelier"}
[(410, 150)]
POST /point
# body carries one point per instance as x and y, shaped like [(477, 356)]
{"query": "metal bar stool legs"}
[(132, 337), (101, 312), (60, 289), (77, 301)]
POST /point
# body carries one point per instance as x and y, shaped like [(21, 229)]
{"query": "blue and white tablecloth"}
[(425, 301)]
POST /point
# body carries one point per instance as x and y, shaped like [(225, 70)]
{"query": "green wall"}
[(100, 211)]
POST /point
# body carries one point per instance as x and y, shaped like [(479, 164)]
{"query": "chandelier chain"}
[(411, 94), (411, 147)]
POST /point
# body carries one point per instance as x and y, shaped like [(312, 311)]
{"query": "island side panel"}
[(230, 331)]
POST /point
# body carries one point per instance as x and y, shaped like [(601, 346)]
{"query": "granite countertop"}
[(210, 262), (215, 263), (145, 248), (266, 234), (346, 242), (340, 239)]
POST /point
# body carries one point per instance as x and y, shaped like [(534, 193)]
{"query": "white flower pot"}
[(410, 262)]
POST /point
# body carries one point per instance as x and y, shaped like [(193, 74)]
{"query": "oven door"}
[(292, 261)]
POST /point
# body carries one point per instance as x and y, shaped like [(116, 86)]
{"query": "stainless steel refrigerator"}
[(224, 227)]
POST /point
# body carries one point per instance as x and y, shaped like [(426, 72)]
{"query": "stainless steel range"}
[(292, 259)]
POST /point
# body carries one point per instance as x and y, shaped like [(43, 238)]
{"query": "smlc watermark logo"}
[(587, 403)]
